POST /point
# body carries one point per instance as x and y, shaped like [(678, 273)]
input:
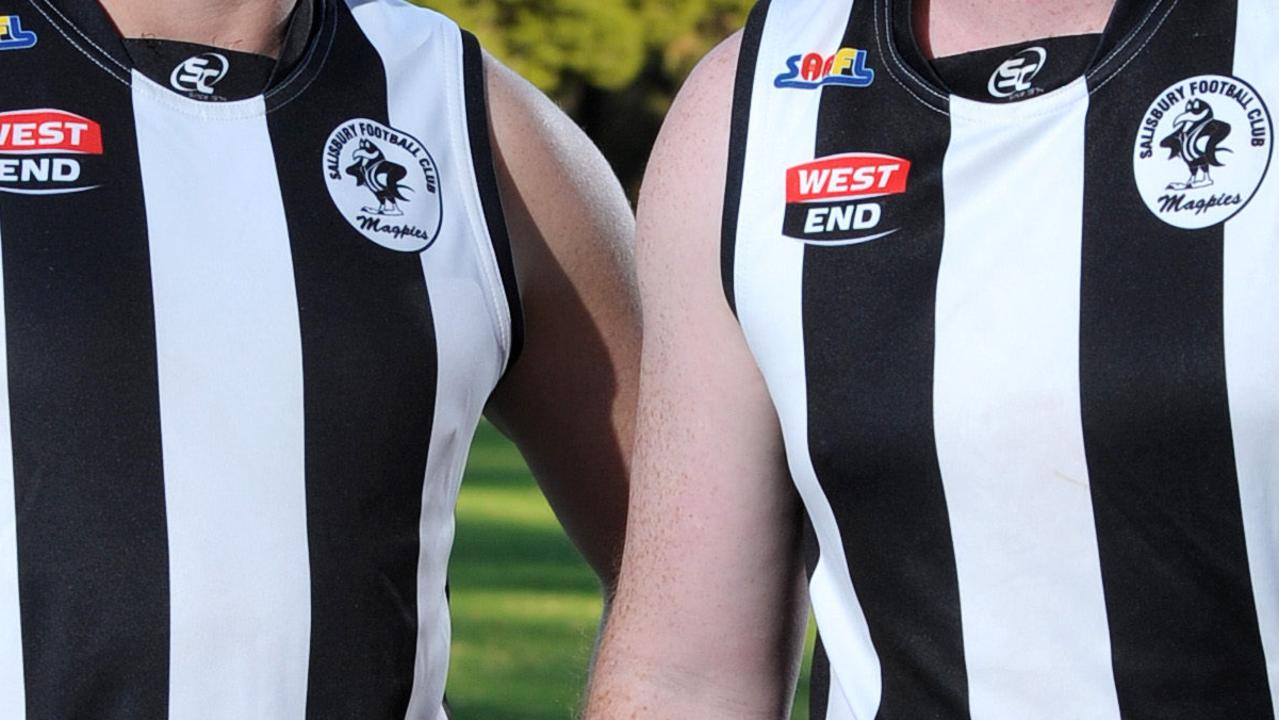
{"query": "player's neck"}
[(254, 26), (951, 27)]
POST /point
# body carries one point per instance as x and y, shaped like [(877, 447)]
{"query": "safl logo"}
[(44, 152), (809, 71), (840, 199), (13, 36)]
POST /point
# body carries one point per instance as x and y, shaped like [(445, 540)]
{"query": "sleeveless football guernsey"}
[(246, 344), (1024, 346)]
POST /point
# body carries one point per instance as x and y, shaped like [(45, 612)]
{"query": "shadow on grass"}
[(525, 606)]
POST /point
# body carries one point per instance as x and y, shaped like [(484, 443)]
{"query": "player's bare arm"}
[(711, 604), (569, 400)]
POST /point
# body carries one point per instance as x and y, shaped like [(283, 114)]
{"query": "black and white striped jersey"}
[(246, 344), (1024, 347)]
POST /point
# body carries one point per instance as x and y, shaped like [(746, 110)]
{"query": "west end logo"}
[(1203, 148), (840, 199), (385, 183), (810, 71), (44, 152)]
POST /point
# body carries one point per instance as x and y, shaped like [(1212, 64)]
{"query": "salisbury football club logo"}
[(385, 183), (1202, 151)]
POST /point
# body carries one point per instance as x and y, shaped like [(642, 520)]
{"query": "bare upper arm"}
[(568, 401), (708, 609)]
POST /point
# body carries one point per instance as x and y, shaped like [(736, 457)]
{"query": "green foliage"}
[(562, 45)]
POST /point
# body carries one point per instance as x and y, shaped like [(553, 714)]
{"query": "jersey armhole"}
[(482, 159), (743, 88)]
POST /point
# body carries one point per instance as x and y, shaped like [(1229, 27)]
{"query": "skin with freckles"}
[(710, 608), (952, 27)]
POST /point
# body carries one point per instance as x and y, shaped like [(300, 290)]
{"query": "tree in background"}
[(614, 65)]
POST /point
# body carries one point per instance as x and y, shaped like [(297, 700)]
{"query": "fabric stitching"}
[(328, 20), (1136, 31), (1125, 44), (1137, 53), (314, 72), (482, 241), (890, 53), (72, 42), (881, 33), (253, 107), (879, 41), (87, 39)]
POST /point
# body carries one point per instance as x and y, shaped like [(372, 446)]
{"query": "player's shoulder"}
[(716, 73), (697, 126), (402, 19)]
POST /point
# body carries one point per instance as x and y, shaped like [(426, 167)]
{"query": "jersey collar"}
[(92, 28), (1131, 23)]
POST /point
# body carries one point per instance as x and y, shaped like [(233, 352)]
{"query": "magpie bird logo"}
[(385, 183), (1197, 139), (1202, 150), (382, 177)]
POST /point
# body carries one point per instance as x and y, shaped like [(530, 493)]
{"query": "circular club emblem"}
[(1202, 151), (385, 183)]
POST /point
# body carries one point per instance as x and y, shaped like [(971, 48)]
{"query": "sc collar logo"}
[(198, 74), (1014, 77), (847, 67)]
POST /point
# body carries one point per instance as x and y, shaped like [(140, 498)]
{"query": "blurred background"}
[(525, 606), (613, 65)]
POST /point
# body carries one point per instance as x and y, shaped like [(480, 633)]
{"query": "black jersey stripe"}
[(84, 407), (368, 354), (477, 121), (819, 677), (1157, 419), (743, 90), (819, 682), (869, 364)]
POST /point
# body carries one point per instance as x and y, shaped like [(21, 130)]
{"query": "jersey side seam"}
[(481, 238)]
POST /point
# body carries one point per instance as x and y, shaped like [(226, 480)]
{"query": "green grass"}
[(525, 606)]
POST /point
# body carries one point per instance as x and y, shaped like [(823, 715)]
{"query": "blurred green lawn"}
[(524, 605)]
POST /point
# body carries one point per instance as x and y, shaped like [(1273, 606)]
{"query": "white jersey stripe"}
[(463, 283), (1017, 482), (233, 442), (12, 682), (769, 285), (1252, 345)]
